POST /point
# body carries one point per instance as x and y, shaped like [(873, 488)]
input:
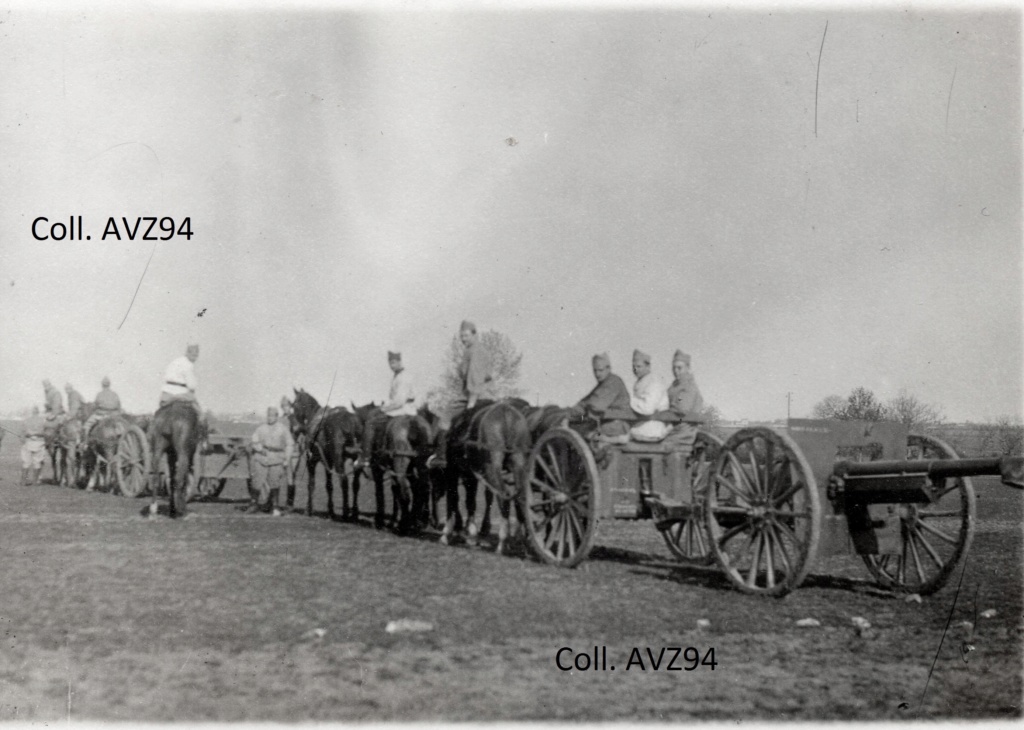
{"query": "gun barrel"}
[(1010, 468)]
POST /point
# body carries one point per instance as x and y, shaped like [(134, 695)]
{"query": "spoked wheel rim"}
[(560, 497), (763, 512), (132, 462), (687, 539), (935, 536)]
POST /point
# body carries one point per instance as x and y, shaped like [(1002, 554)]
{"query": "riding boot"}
[(291, 496), (33, 476), (24, 477)]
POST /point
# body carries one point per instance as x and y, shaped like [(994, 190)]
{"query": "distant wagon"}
[(218, 458), (766, 503)]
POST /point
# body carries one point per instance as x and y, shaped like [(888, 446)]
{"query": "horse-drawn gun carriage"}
[(766, 503), (115, 449)]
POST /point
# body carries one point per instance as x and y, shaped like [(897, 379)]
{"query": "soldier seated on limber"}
[(107, 404), (650, 396), (477, 390), (608, 402), (684, 401)]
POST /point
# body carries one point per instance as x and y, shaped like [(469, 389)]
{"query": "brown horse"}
[(175, 432), (489, 443), (401, 450), (68, 447), (331, 436)]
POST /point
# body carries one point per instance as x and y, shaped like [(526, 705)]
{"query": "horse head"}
[(303, 409)]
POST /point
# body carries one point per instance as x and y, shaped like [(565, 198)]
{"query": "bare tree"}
[(831, 406), (505, 362), (860, 405), (913, 413)]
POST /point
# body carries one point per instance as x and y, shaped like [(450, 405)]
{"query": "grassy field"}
[(111, 617)]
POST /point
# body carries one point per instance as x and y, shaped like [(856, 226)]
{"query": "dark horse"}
[(401, 450), (489, 443), (174, 431), (329, 435)]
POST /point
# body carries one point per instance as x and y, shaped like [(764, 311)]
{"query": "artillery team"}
[(653, 411)]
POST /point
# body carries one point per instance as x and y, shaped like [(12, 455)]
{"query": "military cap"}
[(394, 356), (105, 382), (602, 358), (68, 387), (682, 357), (640, 356), (467, 325)]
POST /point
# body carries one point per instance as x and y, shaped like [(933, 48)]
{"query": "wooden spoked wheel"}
[(763, 512), (132, 461), (559, 501), (687, 539), (934, 536)]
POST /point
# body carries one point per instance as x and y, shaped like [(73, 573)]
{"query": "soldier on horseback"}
[(180, 379), (401, 402), (107, 404), (75, 401), (477, 389)]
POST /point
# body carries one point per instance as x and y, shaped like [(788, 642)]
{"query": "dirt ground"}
[(106, 616)]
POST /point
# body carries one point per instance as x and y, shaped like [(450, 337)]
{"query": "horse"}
[(401, 450), (175, 432), (329, 435), (484, 442)]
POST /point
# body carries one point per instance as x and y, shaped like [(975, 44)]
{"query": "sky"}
[(805, 199)]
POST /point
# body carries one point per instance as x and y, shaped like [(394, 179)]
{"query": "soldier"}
[(401, 402), (684, 400), (54, 409), (180, 379), (273, 447), (107, 404), (609, 400), (33, 446), (475, 369), (649, 397), (75, 401), (477, 389)]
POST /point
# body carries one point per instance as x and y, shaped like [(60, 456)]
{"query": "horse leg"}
[(330, 490), (357, 479), (378, 493), (471, 485), (453, 520), (494, 479), (172, 470), (517, 461), (310, 483)]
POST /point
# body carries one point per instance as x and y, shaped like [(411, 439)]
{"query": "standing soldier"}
[(180, 379), (33, 446), (401, 402), (273, 446), (107, 404), (75, 401)]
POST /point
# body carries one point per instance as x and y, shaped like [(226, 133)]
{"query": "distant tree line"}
[(1004, 435)]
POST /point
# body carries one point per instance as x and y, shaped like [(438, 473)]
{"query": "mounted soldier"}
[(75, 401), (401, 402), (107, 404), (180, 379)]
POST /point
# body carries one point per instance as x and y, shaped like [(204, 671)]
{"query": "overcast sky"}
[(581, 179)]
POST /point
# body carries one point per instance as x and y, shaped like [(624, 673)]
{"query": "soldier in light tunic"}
[(273, 448), (180, 379), (477, 389), (649, 397), (53, 408), (33, 446), (401, 402)]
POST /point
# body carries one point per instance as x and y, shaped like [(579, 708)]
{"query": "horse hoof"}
[(443, 540)]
